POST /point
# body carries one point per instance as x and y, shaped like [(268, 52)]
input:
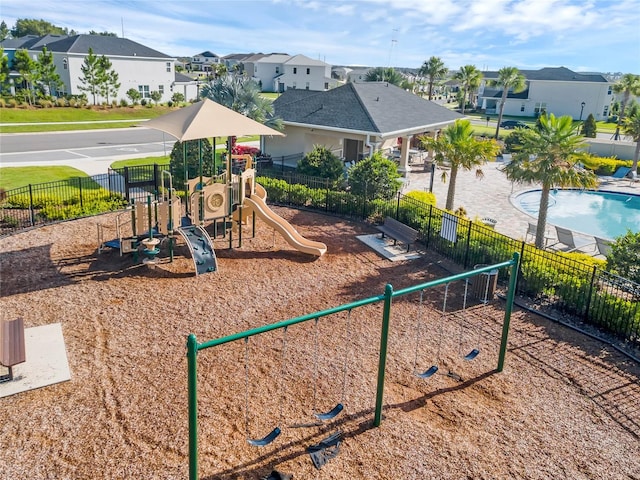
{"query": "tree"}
[(589, 127), (434, 70), (26, 67), (374, 177), (242, 94), (134, 95), (4, 31), (156, 96), (631, 127), (48, 79), (624, 257), (462, 150), (628, 85), (470, 78), (92, 75), (509, 78), (107, 78), (382, 74), (4, 67), (321, 162), (103, 34), (548, 156), (194, 148), (27, 26)]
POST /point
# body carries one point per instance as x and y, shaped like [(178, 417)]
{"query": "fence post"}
[(465, 263), (398, 207), (508, 309), (31, 214), (156, 177), (429, 225), (80, 188), (126, 185)]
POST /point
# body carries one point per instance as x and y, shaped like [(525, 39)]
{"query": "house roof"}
[(554, 73), (182, 78), (273, 58), (207, 54), (305, 61), (376, 107), (100, 44)]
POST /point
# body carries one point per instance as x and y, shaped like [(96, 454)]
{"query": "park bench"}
[(398, 231)]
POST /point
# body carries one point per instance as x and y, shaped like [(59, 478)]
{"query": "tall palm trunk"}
[(451, 191), (503, 100), (542, 216)]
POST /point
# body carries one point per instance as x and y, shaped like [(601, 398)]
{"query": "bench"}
[(12, 351), (398, 231)]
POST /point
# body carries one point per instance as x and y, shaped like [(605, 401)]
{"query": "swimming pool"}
[(600, 214)]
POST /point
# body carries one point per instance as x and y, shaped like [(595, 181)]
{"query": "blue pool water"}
[(601, 214)]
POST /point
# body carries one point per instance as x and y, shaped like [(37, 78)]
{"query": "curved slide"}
[(284, 228)]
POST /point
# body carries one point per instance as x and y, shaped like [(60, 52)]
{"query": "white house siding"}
[(307, 77), (132, 73), (565, 98)]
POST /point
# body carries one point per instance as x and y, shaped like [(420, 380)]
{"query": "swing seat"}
[(331, 413), (271, 436), (472, 354), (428, 373)]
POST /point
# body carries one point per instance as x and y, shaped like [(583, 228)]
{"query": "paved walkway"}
[(491, 196)]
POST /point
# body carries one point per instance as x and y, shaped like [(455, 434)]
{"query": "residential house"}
[(354, 120), (187, 86), (556, 90), (278, 72), (205, 62), (138, 66)]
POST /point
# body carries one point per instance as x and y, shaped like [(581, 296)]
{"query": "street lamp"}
[(581, 110)]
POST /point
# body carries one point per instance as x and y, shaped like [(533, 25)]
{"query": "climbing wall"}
[(201, 248)]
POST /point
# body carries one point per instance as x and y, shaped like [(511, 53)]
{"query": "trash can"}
[(483, 286)]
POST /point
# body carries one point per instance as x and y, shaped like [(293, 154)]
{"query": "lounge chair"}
[(532, 229), (619, 174), (567, 241), (603, 247), (634, 178)]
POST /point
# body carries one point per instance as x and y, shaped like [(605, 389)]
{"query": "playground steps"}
[(201, 248)]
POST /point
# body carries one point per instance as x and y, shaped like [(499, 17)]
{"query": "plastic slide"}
[(284, 228), (201, 248)]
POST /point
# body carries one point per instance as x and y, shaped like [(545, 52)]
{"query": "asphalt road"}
[(91, 151)]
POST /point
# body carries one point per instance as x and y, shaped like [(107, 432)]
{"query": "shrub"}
[(602, 165), (12, 103), (321, 162), (61, 102), (123, 102), (624, 258), (143, 102)]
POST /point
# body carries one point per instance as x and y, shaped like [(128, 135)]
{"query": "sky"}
[(582, 35)]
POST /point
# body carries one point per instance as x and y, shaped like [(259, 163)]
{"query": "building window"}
[(326, 85), (168, 66), (144, 91), (306, 86), (293, 86), (161, 89), (605, 112), (610, 91), (277, 70), (540, 108), (522, 107), (295, 70), (308, 71), (64, 64)]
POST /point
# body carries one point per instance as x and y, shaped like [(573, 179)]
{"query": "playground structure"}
[(476, 275), (226, 201)]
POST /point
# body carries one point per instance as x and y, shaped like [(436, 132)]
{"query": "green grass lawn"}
[(16, 177)]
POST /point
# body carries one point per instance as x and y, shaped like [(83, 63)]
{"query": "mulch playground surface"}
[(565, 406)]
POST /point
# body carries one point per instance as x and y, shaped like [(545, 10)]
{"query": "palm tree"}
[(548, 156), (434, 70), (462, 150), (631, 127), (242, 95), (470, 78), (382, 74), (509, 78), (628, 85)]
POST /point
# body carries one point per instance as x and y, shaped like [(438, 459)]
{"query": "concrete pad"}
[(386, 248), (46, 361)]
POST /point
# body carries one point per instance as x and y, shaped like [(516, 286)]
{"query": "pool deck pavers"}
[(490, 196)]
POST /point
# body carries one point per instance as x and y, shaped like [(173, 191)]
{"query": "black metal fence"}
[(555, 280)]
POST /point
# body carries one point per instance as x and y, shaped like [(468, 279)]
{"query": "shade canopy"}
[(206, 119)]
